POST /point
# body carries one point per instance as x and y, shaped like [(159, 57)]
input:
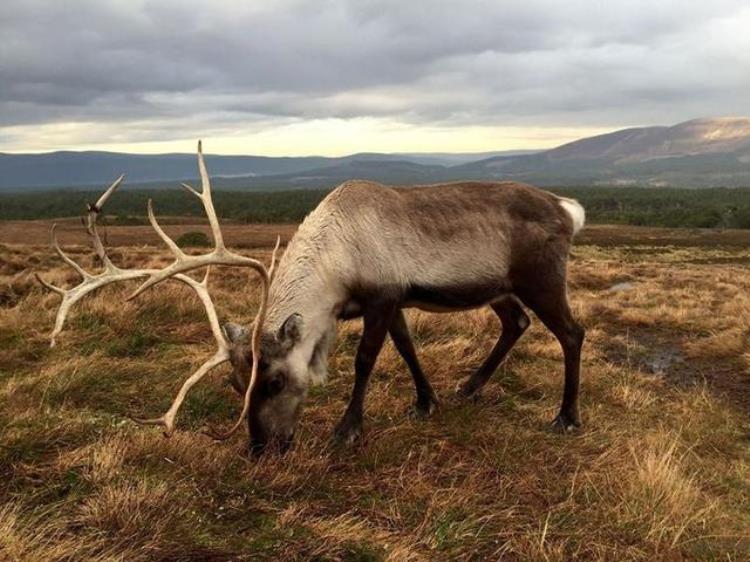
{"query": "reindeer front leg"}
[(427, 401), (377, 320)]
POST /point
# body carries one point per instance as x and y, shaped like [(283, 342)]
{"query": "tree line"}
[(670, 207)]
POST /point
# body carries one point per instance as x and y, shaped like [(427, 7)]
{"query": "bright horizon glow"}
[(319, 137)]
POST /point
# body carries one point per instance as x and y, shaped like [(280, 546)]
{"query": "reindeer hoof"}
[(422, 411), (465, 394), (346, 434), (566, 423)]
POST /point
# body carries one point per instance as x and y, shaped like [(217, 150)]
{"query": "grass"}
[(661, 469)]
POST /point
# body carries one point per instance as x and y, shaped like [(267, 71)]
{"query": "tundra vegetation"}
[(660, 470)]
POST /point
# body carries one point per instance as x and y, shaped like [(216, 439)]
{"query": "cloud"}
[(122, 71)]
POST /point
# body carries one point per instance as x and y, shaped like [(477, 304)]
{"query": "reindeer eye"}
[(276, 384)]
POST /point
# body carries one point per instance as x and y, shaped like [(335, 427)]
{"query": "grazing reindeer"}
[(369, 251)]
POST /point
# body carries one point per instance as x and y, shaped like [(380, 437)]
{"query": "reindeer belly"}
[(447, 298)]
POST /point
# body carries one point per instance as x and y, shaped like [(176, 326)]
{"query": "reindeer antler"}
[(219, 256), (183, 263)]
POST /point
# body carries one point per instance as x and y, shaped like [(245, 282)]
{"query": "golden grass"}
[(660, 471)]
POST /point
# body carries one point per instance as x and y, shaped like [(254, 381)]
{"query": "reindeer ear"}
[(235, 332), (291, 330)]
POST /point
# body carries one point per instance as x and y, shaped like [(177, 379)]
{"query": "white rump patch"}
[(576, 212)]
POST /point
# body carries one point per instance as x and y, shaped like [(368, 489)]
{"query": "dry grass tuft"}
[(662, 496), (129, 511)]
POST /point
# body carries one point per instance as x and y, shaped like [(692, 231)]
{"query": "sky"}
[(334, 77)]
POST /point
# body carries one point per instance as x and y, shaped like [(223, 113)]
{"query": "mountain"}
[(696, 137), (93, 168), (702, 152)]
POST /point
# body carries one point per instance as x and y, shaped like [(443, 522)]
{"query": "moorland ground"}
[(660, 470)]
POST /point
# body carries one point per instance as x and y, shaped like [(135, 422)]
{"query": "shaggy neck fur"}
[(306, 284)]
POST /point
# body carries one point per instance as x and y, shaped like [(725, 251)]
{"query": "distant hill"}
[(60, 169), (698, 153), (691, 138), (92, 168), (701, 152)]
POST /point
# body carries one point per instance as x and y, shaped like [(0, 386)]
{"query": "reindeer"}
[(369, 251)]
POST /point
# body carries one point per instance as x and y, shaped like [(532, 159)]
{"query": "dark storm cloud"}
[(223, 65)]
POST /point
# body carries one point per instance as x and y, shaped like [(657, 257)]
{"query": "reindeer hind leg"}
[(549, 301), (514, 323)]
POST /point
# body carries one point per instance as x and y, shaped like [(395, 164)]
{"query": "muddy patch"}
[(661, 362), (652, 354), (622, 286)]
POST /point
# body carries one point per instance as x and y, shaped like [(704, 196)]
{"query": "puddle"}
[(659, 362), (652, 355)]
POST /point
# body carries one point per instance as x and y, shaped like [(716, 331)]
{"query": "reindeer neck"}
[(301, 286)]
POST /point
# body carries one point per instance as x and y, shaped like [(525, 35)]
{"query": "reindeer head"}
[(280, 388), (257, 357)]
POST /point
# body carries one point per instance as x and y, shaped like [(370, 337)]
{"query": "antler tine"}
[(205, 196), (208, 203), (104, 197), (92, 217), (191, 189), (178, 253), (49, 286), (168, 419), (272, 269), (82, 272), (201, 289)]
